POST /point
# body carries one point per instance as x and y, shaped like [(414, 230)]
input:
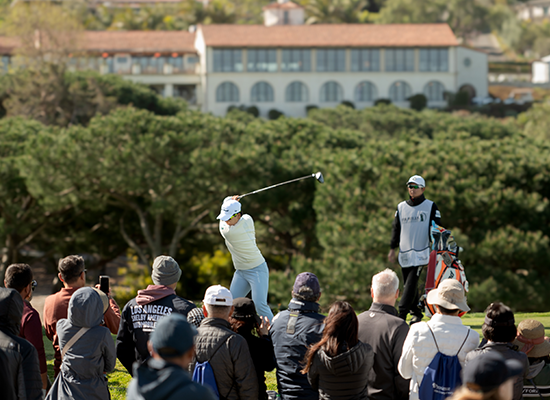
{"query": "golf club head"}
[(319, 177)]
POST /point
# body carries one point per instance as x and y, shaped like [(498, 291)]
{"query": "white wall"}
[(474, 74), (275, 16), (540, 72)]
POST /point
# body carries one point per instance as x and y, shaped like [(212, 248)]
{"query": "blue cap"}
[(173, 336)]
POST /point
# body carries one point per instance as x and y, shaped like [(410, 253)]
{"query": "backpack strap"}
[(437, 347), (466, 338), (73, 340), (291, 324)]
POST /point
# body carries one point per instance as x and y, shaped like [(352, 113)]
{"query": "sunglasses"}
[(34, 284), (413, 186)]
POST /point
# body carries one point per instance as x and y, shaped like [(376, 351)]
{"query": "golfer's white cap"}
[(418, 180), (217, 295), (229, 208)]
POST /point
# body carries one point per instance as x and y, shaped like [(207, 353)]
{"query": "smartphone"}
[(104, 283)]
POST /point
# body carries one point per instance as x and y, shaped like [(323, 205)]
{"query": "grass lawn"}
[(119, 378)]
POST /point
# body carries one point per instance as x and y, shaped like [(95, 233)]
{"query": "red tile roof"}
[(139, 41), (284, 6), (329, 35), (8, 44)]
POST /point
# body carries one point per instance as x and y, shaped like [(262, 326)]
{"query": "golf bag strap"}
[(73, 340), (291, 324)]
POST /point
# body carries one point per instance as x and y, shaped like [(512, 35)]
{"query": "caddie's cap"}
[(173, 335), (307, 279), (166, 271), (230, 207), (217, 295), (418, 180), (449, 294), (489, 370)]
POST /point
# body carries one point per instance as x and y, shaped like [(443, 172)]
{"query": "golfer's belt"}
[(291, 324)]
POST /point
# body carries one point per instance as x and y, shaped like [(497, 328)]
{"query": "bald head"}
[(385, 287)]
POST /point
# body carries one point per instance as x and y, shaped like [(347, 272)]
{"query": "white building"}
[(540, 70), (534, 10)]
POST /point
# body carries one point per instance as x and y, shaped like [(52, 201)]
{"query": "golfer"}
[(251, 272), (411, 233)]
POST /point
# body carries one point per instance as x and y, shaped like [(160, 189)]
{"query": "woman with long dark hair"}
[(339, 364)]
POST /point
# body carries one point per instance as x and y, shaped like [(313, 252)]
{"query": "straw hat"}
[(530, 339)]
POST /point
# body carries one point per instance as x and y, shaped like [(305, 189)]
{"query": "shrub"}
[(311, 107), (348, 103), (382, 101), (274, 114), (418, 102), (253, 110)]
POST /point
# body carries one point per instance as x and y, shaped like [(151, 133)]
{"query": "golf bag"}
[(443, 264)]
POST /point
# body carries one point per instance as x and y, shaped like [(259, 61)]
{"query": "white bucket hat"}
[(449, 294)]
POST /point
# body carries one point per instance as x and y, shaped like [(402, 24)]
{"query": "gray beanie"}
[(166, 271)]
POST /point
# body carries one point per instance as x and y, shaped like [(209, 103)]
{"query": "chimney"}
[(283, 12)]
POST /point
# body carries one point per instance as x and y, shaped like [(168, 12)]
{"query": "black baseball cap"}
[(489, 370)]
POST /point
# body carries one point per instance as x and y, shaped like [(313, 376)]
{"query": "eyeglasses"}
[(413, 186), (233, 216), (34, 284)]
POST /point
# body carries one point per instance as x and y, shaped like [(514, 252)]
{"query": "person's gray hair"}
[(218, 311), (385, 284), (305, 294)]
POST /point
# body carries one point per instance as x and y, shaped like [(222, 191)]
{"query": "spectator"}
[(500, 331), (164, 376), (140, 314), (72, 273), (531, 341), (226, 351), (20, 373), (195, 317), (20, 278), (489, 377), (385, 332), (246, 322), (292, 332), (339, 364), (88, 351), (444, 333)]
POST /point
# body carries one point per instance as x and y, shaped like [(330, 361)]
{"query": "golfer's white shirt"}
[(240, 240)]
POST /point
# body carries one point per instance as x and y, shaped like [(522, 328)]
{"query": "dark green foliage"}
[(274, 114), (418, 102), (348, 103), (311, 107), (382, 102), (253, 110), (460, 99)]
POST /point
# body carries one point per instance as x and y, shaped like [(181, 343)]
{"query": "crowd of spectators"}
[(175, 350)]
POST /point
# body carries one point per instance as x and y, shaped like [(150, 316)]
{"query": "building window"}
[(149, 65), (186, 92), (228, 60), (331, 92), (176, 63), (434, 91), (399, 60), (400, 91), (227, 92), (434, 60), (331, 60), (261, 92), (365, 60), (296, 60), (296, 92), (365, 91), (261, 60), (285, 17)]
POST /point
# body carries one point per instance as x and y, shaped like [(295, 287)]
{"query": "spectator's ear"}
[(60, 277), (204, 311), (150, 348), (396, 294), (371, 293)]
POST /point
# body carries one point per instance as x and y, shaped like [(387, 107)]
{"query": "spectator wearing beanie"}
[(530, 340), (499, 330), (489, 377), (246, 322), (141, 314), (164, 376)]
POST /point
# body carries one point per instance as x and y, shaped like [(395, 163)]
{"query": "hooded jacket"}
[(139, 318), (83, 367), (19, 371), (343, 376), (160, 380)]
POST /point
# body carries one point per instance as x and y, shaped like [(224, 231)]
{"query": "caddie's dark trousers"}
[(409, 298)]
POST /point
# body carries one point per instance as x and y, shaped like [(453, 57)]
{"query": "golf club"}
[(318, 176)]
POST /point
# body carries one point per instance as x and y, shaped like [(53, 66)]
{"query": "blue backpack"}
[(204, 374), (442, 376)]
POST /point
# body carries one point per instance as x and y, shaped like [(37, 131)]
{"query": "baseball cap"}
[(229, 208), (166, 271), (245, 309), (307, 279), (217, 295), (173, 335), (489, 370), (418, 180), (449, 294)]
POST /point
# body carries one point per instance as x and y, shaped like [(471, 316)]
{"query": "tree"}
[(335, 11)]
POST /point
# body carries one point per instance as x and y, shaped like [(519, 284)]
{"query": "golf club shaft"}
[(276, 185)]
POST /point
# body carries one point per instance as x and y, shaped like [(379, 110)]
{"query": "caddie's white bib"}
[(414, 242)]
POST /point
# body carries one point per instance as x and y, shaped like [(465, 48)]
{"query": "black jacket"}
[(342, 377), (229, 357), (138, 322), (385, 332), (159, 380), (396, 225), (20, 374), (290, 348), (508, 351), (263, 357)]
